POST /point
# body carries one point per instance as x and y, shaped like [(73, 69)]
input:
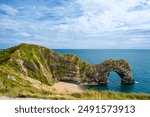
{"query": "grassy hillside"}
[(23, 65), (28, 92)]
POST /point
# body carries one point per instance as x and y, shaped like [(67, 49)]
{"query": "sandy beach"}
[(64, 87), (61, 87)]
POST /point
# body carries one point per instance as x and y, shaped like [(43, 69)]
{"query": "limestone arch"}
[(121, 67)]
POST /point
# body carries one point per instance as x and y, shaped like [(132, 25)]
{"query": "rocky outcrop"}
[(47, 66), (121, 67), (102, 71)]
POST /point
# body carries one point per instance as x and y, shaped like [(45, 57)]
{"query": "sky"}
[(76, 24)]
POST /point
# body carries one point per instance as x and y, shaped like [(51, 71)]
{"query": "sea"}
[(139, 60)]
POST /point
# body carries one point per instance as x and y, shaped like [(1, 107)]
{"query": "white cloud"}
[(8, 9), (110, 15), (79, 24), (24, 34)]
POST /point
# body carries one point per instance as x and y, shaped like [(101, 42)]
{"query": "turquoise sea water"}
[(138, 59)]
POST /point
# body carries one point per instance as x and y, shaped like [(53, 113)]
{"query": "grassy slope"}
[(19, 92)]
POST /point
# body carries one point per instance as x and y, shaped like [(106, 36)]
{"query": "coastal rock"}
[(121, 67), (47, 66)]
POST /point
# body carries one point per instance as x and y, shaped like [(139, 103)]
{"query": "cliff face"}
[(23, 62)]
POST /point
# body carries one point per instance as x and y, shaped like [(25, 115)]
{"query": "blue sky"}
[(93, 24)]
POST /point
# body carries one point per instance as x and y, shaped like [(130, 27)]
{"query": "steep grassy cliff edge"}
[(30, 71)]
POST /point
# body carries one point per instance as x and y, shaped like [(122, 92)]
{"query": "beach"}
[(64, 87)]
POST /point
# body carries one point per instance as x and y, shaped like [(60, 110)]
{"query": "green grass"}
[(110, 95), (28, 92)]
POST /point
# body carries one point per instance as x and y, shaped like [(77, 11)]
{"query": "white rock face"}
[(20, 62), (11, 77)]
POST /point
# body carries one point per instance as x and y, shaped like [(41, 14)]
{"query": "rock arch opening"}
[(113, 78), (121, 67)]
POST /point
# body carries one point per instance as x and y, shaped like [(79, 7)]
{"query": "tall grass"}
[(110, 95), (26, 92)]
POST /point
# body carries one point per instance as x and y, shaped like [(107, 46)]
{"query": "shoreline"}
[(60, 87), (64, 87)]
